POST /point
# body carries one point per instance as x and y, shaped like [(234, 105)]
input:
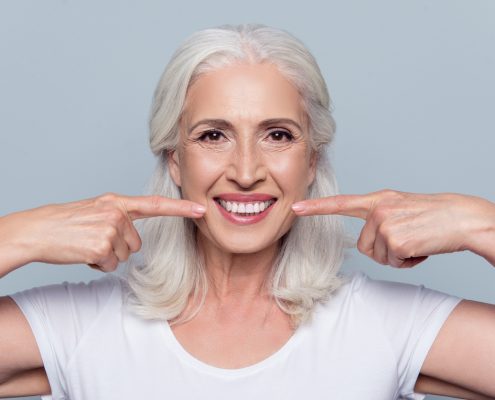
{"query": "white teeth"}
[(246, 208)]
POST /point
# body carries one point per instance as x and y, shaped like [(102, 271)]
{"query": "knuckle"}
[(103, 249), (386, 231), (123, 257), (390, 197), (361, 246), (136, 245), (113, 264), (398, 247), (115, 216), (109, 264), (110, 232), (108, 197), (155, 202), (340, 203), (380, 213), (105, 268), (388, 192)]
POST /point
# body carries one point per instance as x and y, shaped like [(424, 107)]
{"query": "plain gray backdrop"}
[(412, 84)]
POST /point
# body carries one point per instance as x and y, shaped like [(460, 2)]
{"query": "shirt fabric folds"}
[(368, 341)]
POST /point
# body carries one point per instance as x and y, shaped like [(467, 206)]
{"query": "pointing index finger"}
[(352, 205), (155, 206)]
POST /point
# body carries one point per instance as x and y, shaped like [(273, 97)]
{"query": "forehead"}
[(243, 93)]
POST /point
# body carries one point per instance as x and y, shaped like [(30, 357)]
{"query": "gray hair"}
[(311, 253)]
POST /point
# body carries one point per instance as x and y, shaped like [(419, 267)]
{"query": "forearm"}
[(428, 385), (33, 382), (14, 249)]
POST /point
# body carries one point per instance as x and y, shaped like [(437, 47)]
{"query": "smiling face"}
[(244, 152)]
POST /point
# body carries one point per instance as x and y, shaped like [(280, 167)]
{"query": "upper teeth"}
[(245, 208)]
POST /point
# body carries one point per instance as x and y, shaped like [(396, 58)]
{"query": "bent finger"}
[(121, 249), (405, 262), (380, 253), (109, 263), (367, 237), (132, 238)]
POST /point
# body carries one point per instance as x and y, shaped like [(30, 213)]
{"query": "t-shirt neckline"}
[(202, 366)]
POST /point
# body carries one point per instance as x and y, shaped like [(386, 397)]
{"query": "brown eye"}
[(212, 135), (281, 136)]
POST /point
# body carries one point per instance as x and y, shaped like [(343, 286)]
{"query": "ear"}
[(173, 166), (313, 161)]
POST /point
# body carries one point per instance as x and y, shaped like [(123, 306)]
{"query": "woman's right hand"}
[(97, 231)]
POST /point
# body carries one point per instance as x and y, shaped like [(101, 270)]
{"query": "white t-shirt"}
[(368, 342)]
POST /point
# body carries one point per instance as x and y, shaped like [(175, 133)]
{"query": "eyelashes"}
[(217, 136), (211, 135)]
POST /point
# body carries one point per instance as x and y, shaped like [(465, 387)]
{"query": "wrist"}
[(482, 236), (15, 247)]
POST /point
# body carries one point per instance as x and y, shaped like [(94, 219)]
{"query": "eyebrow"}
[(224, 124)]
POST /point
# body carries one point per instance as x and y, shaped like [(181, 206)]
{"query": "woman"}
[(238, 296)]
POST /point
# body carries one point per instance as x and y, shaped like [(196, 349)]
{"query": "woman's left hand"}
[(403, 229)]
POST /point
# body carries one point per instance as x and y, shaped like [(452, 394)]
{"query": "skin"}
[(402, 230), (245, 158), (239, 324)]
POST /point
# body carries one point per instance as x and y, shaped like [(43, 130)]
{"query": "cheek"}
[(198, 173), (292, 173)]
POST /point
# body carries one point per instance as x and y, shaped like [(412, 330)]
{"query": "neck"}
[(239, 276)]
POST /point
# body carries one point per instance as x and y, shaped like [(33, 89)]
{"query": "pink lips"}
[(245, 198), (242, 197)]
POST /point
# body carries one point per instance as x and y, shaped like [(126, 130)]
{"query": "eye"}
[(212, 135), (281, 136)]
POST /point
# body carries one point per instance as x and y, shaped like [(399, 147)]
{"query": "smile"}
[(240, 208), (246, 209)]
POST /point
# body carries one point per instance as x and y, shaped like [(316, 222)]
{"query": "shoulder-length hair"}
[(171, 271)]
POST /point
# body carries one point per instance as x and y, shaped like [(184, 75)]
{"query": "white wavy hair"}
[(171, 271)]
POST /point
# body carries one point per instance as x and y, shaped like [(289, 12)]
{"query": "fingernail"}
[(198, 209), (298, 207)]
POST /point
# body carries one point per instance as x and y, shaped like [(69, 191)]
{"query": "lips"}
[(245, 198), (244, 209)]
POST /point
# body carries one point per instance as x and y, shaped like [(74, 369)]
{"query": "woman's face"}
[(244, 153)]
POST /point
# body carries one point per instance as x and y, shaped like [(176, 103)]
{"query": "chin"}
[(242, 248), (242, 242)]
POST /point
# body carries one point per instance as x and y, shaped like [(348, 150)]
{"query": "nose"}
[(246, 167)]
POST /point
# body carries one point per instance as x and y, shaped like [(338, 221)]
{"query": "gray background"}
[(412, 83)]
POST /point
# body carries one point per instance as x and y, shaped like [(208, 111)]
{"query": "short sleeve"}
[(59, 315), (412, 317)]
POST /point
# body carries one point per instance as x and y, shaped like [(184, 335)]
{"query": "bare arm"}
[(429, 385), (402, 230), (463, 353), (35, 382), (15, 252), (96, 231), (18, 348), (32, 382)]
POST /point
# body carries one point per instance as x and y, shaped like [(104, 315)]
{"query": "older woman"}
[(234, 295)]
